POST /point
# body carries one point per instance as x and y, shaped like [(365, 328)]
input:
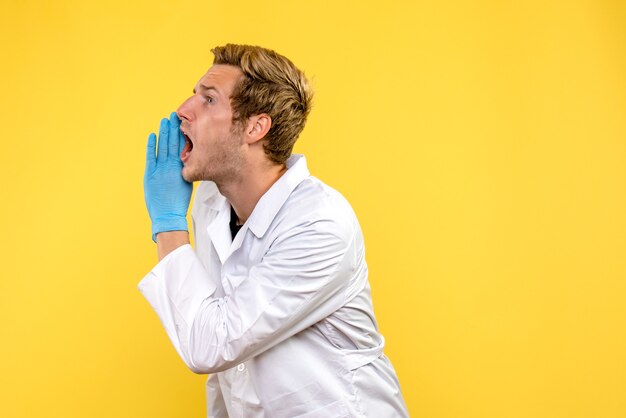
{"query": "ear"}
[(257, 128)]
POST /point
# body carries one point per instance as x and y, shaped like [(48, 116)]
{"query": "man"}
[(274, 302)]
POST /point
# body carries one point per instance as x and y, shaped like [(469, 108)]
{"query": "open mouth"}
[(184, 156)]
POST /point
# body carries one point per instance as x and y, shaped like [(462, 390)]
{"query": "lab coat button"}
[(241, 367)]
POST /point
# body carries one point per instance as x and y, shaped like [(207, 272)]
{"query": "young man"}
[(274, 302)]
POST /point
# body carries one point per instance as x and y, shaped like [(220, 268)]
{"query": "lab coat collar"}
[(263, 213), (270, 203)]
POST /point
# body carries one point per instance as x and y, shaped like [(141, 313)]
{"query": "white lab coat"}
[(281, 317)]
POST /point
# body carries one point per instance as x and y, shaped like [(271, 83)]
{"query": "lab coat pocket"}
[(310, 401)]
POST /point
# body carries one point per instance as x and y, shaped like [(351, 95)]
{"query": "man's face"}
[(214, 150)]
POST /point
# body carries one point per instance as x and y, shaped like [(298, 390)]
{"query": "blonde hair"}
[(271, 84)]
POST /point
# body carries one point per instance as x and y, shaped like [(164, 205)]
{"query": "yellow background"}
[(481, 144)]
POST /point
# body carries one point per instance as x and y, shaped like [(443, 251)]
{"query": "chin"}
[(187, 175)]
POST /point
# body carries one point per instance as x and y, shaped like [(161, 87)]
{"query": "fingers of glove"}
[(174, 137), (163, 141), (151, 150)]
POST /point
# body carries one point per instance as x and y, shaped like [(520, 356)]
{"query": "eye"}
[(209, 99)]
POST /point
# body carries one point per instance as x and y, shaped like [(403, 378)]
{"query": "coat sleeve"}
[(175, 288), (304, 277)]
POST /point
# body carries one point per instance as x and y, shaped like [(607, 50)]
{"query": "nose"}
[(185, 110)]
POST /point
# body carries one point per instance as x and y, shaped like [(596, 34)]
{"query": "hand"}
[(166, 192)]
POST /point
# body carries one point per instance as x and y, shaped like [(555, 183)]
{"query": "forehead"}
[(222, 77)]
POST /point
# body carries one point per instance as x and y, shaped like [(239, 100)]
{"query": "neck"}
[(246, 190)]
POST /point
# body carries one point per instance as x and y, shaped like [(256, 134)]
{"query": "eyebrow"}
[(202, 86)]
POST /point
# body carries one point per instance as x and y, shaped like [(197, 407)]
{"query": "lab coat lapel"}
[(221, 236), (219, 232), (238, 239)]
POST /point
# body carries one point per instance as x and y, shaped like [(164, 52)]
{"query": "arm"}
[(169, 241), (302, 279)]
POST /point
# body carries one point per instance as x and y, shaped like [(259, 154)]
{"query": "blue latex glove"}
[(166, 192)]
